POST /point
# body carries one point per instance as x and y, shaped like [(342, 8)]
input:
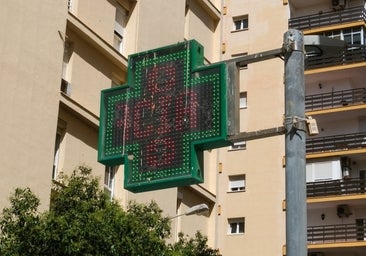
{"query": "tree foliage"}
[(196, 246), (20, 225), (82, 221)]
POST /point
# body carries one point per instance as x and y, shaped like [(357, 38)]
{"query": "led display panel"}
[(158, 124)]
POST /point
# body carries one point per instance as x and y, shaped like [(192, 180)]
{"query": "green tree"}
[(20, 224), (196, 246), (82, 221)]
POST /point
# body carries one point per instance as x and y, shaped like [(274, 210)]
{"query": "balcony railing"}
[(328, 18), (336, 143), (350, 56), (336, 187), (337, 233), (335, 99)]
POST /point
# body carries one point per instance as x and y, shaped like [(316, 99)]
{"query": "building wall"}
[(30, 82), (86, 63), (79, 144), (155, 29), (102, 22)]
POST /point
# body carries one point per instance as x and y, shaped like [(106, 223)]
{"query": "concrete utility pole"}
[(295, 125)]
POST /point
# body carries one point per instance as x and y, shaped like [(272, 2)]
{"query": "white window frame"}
[(340, 34), (237, 183), (236, 226), (241, 23)]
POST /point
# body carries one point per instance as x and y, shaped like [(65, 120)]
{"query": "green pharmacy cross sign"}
[(158, 125)]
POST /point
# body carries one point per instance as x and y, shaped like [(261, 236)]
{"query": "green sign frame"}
[(172, 108)]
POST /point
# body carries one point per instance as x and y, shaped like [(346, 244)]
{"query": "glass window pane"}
[(237, 24), (241, 227), (233, 228), (337, 34), (245, 23), (348, 38), (357, 39), (347, 31)]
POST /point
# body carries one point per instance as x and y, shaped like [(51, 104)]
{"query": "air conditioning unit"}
[(343, 210), (338, 4), (65, 87)]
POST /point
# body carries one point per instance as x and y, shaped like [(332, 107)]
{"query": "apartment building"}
[(335, 98), (58, 55)]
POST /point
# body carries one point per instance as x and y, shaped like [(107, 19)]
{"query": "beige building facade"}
[(57, 56)]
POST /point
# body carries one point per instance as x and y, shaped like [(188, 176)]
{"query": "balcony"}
[(328, 18), (337, 233), (350, 56), (336, 143), (335, 99), (336, 187)]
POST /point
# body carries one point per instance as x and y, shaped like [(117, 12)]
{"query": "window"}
[(354, 35), (56, 156), (239, 145), (324, 170), (243, 100), (236, 226), (68, 51), (61, 127), (66, 72), (240, 23), (237, 183), (119, 27), (69, 5), (109, 174)]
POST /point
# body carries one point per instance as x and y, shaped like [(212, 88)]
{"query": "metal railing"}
[(350, 56), (336, 143), (337, 233), (335, 99), (328, 18), (347, 186)]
